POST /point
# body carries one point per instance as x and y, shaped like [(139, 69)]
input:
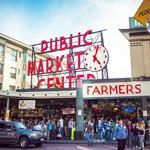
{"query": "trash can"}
[(78, 135)]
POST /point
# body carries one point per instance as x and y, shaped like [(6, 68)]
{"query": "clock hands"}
[(94, 56)]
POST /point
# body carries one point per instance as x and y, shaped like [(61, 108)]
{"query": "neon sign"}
[(94, 58)]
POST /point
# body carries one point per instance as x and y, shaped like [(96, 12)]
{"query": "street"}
[(67, 147)]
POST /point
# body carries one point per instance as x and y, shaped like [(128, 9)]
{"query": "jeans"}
[(89, 138), (62, 131), (141, 139), (135, 140), (100, 135)]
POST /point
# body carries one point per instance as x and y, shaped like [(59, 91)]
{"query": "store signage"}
[(26, 104), (67, 111), (116, 89), (143, 13), (95, 58)]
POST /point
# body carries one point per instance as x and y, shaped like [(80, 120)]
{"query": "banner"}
[(26, 104)]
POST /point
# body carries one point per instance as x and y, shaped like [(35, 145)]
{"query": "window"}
[(19, 54), (12, 88), (18, 71), (0, 86), (1, 68), (14, 55), (13, 73), (1, 50)]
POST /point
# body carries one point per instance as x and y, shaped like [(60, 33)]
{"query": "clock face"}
[(96, 58)]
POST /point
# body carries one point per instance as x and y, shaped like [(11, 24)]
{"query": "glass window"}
[(1, 68), (12, 88), (0, 86), (14, 55), (1, 50), (19, 54), (13, 73)]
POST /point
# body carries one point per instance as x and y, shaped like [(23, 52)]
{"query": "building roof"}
[(134, 32), (14, 41)]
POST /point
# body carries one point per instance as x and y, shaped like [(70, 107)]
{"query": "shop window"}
[(13, 73), (1, 50), (14, 55), (12, 88), (1, 68)]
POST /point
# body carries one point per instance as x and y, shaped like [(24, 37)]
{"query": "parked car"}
[(17, 133)]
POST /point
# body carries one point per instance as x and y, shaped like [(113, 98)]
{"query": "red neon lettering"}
[(63, 43), (69, 62), (59, 62), (78, 54), (49, 84), (79, 39), (40, 67), (104, 89), (71, 42), (138, 88), (49, 65), (40, 82), (53, 49), (129, 89), (85, 36), (60, 84), (121, 89), (90, 76), (44, 46), (80, 76), (70, 78), (96, 90), (88, 89), (113, 89), (31, 67)]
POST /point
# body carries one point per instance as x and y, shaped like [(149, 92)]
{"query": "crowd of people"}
[(127, 132)]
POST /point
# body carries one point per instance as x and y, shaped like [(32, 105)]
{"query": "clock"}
[(95, 58)]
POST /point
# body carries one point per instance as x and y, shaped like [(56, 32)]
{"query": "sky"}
[(31, 21)]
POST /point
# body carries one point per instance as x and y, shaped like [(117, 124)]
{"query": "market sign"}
[(116, 89), (26, 104), (93, 58), (143, 13)]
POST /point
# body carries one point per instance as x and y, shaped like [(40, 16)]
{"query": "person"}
[(135, 138), (49, 128), (141, 133), (121, 134), (100, 130), (61, 126), (89, 132), (70, 126)]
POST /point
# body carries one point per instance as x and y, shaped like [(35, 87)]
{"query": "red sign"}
[(93, 58)]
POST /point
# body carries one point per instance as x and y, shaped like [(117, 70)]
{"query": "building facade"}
[(14, 56)]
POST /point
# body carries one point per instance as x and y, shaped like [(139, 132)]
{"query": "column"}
[(144, 108), (79, 113)]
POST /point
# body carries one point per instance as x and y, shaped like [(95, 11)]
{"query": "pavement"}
[(68, 147)]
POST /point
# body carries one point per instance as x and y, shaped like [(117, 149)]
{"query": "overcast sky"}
[(31, 21)]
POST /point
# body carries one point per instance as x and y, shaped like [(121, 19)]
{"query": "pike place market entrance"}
[(93, 99)]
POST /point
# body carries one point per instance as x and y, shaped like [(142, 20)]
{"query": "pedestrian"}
[(135, 137), (100, 130), (141, 133), (89, 132), (71, 124), (121, 134)]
